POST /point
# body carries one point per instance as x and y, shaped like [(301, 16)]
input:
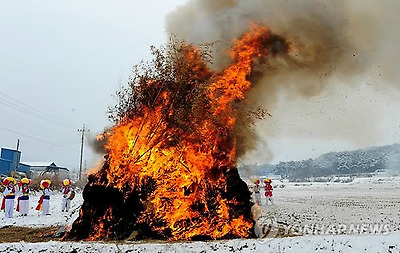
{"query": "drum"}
[(71, 195)]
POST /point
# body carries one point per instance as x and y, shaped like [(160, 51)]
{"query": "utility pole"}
[(83, 131), (17, 157)]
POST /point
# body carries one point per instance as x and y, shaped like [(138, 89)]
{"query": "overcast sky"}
[(60, 62)]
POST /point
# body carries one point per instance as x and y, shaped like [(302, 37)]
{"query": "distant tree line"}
[(366, 160)]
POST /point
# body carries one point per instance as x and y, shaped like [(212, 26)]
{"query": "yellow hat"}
[(7, 180), (25, 181), (45, 183), (66, 182), (267, 181)]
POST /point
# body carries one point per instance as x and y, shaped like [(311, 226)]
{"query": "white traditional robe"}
[(24, 201), (9, 194), (66, 202), (46, 201)]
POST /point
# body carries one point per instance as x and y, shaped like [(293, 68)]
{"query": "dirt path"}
[(15, 234)]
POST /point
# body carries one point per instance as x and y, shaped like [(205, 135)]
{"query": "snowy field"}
[(366, 205), (36, 220), (361, 216)]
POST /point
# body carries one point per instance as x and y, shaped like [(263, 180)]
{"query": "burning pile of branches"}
[(170, 168)]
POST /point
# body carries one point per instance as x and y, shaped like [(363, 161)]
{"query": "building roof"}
[(40, 164)]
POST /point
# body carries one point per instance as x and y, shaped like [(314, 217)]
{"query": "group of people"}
[(267, 188), (22, 193)]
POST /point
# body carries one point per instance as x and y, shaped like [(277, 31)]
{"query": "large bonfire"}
[(170, 168)]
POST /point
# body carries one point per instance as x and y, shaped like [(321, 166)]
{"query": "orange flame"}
[(184, 163)]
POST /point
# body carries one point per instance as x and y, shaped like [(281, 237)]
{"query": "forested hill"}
[(335, 163)]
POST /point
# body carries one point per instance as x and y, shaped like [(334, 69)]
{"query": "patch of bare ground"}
[(16, 234)]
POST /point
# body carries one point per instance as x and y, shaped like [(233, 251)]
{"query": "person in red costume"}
[(268, 191)]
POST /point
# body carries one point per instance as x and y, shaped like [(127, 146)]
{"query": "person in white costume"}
[(9, 196), (256, 190), (23, 199), (68, 194), (44, 201)]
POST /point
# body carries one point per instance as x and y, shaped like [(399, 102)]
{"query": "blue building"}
[(9, 160), (24, 168)]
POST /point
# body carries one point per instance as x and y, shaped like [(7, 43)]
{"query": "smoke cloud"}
[(98, 142), (336, 48)]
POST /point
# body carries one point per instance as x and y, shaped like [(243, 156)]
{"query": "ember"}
[(170, 169)]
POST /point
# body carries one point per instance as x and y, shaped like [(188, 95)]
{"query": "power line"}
[(38, 139), (33, 126), (22, 107), (34, 112), (37, 110)]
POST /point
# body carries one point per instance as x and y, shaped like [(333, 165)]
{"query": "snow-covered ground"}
[(368, 205), (361, 243), (36, 220), (361, 216)]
